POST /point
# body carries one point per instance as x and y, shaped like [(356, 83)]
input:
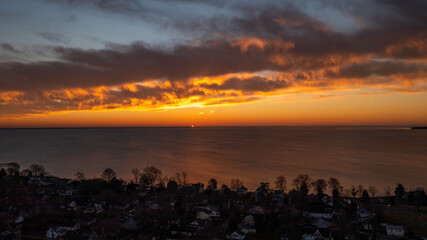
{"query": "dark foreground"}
[(51, 207)]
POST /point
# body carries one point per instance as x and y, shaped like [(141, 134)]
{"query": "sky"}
[(76, 63)]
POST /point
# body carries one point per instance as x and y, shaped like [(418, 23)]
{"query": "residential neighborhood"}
[(48, 207)]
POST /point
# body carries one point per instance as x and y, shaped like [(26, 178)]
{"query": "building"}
[(395, 230)]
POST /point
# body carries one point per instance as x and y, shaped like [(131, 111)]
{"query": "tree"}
[(300, 180), (334, 184), (212, 184), (108, 174), (181, 179), (365, 196), (354, 191), (236, 183), (387, 191), (135, 173), (319, 186), (2, 173), (360, 190), (27, 173), (184, 179), (37, 170), (178, 178), (172, 185), (304, 189), (399, 191), (13, 170), (225, 189), (372, 190), (150, 176), (281, 183), (79, 176)]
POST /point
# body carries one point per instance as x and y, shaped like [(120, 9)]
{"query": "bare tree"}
[(212, 184), (108, 174), (319, 186), (37, 170), (387, 191), (353, 191), (79, 176), (281, 183), (301, 180), (178, 179), (135, 173), (13, 169), (184, 179), (334, 184), (360, 190), (372, 190), (150, 176), (236, 183)]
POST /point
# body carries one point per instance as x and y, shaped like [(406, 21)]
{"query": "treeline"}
[(153, 177)]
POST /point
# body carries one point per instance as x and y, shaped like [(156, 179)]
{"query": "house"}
[(19, 220), (256, 210), (315, 236), (242, 191), (202, 216), (198, 187), (130, 224), (236, 235), (395, 230), (319, 215), (321, 223), (363, 214), (57, 232), (214, 213), (249, 220), (54, 233)]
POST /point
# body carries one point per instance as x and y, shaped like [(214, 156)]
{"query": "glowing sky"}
[(183, 62)]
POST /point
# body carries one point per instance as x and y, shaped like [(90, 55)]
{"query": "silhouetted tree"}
[(37, 170), (319, 186), (2, 173), (236, 183), (225, 189), (27, 173), (135, 173), (13, 170), (335, 194), (399, 191), (281, 183), (365, 196), (212, 184), (387, 191), (300, 180), (334, 184), (172, 185), (304, 189), (360, 190), (184, 179), (79, 176), (353, 191), (150, 176), (108, 174), (178, 178), (372, 190)]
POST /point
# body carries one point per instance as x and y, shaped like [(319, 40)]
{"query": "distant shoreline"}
[(225, 126), (419, 128)]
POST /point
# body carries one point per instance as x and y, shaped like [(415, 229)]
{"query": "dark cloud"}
[(54, 37), (255, 84), (381, 68), (8, 47), (389, 46)]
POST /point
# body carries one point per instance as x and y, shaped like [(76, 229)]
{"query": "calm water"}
[(355, 155)]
